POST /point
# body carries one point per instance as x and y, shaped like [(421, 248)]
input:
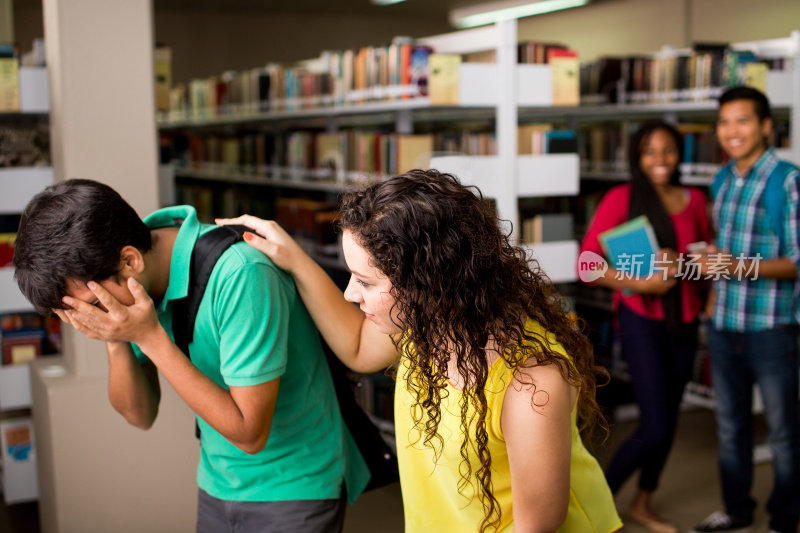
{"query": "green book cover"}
[(631, 246)]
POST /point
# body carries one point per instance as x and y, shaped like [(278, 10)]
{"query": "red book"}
[(405, 66)]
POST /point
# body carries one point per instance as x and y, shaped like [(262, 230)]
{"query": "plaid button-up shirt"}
[(744, 229)]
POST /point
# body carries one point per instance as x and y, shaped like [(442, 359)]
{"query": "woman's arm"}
[(537, 425), (355, 340)]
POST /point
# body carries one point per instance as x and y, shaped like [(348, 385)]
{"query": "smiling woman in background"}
[(492, 373), (657, 314)]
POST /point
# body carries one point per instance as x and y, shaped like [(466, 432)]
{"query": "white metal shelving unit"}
[(507, 177), (486, 91), (17, 186)]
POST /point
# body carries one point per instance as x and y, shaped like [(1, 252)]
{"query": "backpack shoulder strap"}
[(207, 250)]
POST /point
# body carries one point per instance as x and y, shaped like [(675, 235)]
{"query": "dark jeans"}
[(659, 367), (738, 361), (300, 516)]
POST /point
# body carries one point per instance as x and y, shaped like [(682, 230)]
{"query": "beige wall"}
[(616, 27), (6, 21), (744, 20), (610, 27)]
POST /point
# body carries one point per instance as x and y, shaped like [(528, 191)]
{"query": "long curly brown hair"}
[(458, 284)]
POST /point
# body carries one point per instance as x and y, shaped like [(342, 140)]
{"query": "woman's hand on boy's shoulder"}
[(268, 237)]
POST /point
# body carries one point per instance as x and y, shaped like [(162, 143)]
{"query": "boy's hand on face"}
[(62, 314), (114, 322)]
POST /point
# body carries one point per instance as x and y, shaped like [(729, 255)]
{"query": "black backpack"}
[(379, 456)]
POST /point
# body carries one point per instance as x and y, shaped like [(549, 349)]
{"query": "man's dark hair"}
[(760, 101), (73, 230)]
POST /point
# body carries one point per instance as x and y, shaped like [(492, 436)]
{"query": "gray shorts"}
[(293, 516)]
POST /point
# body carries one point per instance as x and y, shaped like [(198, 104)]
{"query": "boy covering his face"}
[(275, 453)]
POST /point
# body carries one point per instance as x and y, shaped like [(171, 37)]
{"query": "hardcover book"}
[(444, 77), (560, 142), (631, 246), (566, 76), (9, 83)]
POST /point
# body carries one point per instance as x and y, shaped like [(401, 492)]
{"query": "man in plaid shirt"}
[(752, 337)]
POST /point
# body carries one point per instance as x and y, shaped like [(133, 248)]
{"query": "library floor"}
[(688, 492)]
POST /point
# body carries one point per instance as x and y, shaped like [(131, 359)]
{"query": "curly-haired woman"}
[(492, 373)]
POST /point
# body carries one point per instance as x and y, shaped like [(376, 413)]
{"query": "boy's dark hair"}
[(73, 230), (760, 101)]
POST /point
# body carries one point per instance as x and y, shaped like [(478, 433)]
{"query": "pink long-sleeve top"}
[(691, 225)]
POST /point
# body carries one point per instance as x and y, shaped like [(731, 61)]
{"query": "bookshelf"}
[(512, 86), (783, 91), (17, 187), (782, 87), (18, 184), (487, 100), (18, 472)]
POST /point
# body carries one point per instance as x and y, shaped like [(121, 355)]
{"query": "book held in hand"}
[(631, 247)]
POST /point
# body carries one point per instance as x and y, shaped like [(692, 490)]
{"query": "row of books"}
[(310, 222), (671, 75), (27, 335), (465, 142), (550, 227), (367, 152), (212, 201), (528, 52), (532, 139), (604, 148), (335, 155), (401, 70), (392, 72)]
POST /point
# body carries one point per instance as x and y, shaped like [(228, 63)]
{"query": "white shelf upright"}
[(507, 176)]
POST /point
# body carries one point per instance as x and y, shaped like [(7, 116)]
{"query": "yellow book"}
[(162, 64), (755, 76), (414, 151), (443, 79), (566, 77), (9, 84)]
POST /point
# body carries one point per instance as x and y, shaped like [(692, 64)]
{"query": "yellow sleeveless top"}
[(431, 500)]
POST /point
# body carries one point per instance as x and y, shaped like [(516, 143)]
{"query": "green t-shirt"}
[(252, 327)]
